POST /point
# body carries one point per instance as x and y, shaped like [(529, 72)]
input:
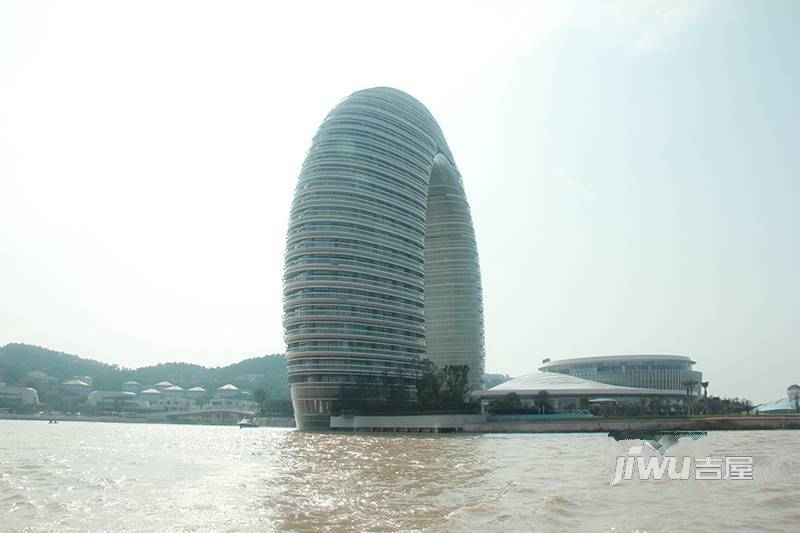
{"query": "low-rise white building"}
[(76, 387), (131, 386), (150, 394), (37, 376), (173, 405), (86, 379), (116, 400), (228, 391), (197, 393), (569, 393), (13, 397), (175, 391), (231, 403)]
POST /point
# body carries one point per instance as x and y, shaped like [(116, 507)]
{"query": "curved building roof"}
[(783, 405), (618, 359), (228, 387), (197, 389), (151, 391), (562, 384), (111, 394), (76, 382)]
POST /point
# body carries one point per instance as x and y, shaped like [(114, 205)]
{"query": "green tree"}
[(727, 406), (395, 390), (704, 384), (260, 397), (372, 388), (492, 380), (583, 403), (794, 395), (508, 404), (689, 385), (512, 401), (542, 402), (429, 386), (455, 379)]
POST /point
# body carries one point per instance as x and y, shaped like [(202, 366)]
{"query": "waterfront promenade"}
[(553, 424)]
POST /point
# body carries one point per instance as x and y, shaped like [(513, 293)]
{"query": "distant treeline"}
[(267, 372)]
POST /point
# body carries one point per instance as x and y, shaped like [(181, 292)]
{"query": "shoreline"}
[(485, 424), (268, 421), (475, 424), (606, 425)]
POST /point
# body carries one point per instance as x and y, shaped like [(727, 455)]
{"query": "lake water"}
[(132, 477)]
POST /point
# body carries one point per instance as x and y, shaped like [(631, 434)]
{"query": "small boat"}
[(247, 423)]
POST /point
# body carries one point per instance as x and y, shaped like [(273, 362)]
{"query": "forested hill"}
[(269, 371)]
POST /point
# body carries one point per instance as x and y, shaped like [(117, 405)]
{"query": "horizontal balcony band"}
[(418, 327), (416, 343), (347, 249), (351, 265), (410, 296), (349, 352), (409, 290), (401, 248), (415, 311), (408, 246)]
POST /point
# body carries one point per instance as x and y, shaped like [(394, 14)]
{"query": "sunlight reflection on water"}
[(131, 477)]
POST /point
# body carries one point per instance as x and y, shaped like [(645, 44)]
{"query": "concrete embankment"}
[(488, 424), (604, 425)]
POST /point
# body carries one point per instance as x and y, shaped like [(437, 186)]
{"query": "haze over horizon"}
[(631, 169)]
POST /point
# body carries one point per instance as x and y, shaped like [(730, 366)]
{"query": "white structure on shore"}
[(11, 397), (172, 404), (132, 386), (789, 404), (648, 371), (116, 400), (76, 387), (569, 393), (382, 267), (197, 393), (175, 391), (237, 404), (228, 391), (166, 397)]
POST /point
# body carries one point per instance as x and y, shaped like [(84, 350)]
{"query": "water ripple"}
[(118, 477)]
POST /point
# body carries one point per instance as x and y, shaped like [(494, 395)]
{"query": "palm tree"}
[(704, 384), (793, 392), (690, 384)]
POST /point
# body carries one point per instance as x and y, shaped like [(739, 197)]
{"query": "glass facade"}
[(651, 372), (381, 265)]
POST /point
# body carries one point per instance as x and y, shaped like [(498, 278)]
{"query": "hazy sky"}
[(632, 169)]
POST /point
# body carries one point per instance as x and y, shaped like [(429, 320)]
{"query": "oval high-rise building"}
[(381, 264)]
